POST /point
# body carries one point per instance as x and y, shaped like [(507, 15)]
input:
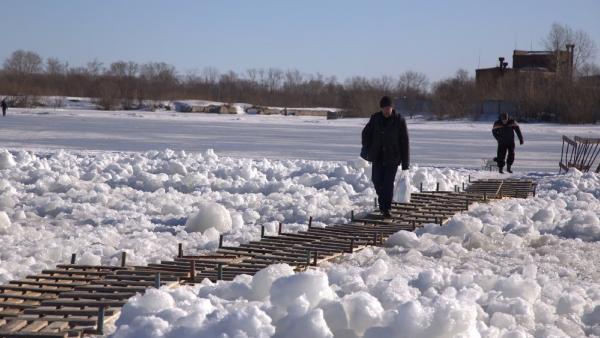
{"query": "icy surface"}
[(456, 144)]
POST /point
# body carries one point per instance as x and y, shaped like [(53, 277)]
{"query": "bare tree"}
[(56, 67), (159, 80), (123, 69), (589, 69), (412, 83), (560, 35), (454, 97), (383, 84), (94, 68), (293, 78), (23, 62), (274, 78), (252, 74), (210, 75)]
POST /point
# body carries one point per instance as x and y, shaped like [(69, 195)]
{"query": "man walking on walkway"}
[(385, 144), (504, 132)]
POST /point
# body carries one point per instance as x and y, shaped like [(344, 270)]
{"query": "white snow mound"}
[(4, 223), (6, 160), (209, 215)]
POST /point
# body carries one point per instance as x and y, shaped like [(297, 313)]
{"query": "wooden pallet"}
[(499, 188), (75, 300)]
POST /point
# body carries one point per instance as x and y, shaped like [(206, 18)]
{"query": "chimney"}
[(501, 59), (571, 51)]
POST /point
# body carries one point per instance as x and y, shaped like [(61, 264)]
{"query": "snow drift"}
[(53, 204), (511, 268)]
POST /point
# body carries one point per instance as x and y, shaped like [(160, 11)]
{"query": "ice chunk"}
[(175, 167), (545, 215), (89, 258), (4, 223), (363, 311), (502, 320), (335, 315), (403, 238), (314, 285), (570, 303), (263, 279), (312, 325), (593, 317), (209, 215), (151, 302), (427, 279), (6, 160), (515, 286), (458, 226), (245, 321), (584, 225), (150, 327)]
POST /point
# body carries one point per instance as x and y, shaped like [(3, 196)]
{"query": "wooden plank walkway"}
[(76, 300)]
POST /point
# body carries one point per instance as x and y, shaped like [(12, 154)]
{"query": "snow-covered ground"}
[(512, 268), (97, 205)]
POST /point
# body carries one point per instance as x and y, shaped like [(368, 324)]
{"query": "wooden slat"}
[(56, 327), (83, 303), (35, 326), (97, 295), (53, 311), (26, 296), (13, 326), (35, 334), (34, 289)]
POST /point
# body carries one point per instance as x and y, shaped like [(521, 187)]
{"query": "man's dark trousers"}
[(502, 149), (383, 177)]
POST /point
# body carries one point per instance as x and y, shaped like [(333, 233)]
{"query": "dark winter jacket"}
[(3, 104), (386, 140), (505, 133)]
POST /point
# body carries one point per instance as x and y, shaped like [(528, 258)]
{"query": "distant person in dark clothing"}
[(385, 144), (4, 107), (504, 132)]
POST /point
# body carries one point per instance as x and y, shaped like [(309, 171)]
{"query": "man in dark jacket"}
[(504, 132), (385, 144), (4, 107)]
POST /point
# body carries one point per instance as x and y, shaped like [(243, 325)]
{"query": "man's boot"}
[(508, 169), (500, 170)]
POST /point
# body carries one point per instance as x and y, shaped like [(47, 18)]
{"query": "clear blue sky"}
[(335, 37)]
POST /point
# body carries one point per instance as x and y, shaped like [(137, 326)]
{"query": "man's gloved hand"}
[(521, 141)]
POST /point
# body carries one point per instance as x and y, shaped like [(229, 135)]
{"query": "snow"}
[(503, 269), (6, 160), (311, 286), (262, 280), (101, 204), (209, 215), (510, 268), (4, 223)]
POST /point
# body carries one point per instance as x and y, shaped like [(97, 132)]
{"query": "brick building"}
[(530, 73)]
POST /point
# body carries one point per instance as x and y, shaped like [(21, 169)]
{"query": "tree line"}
[(25, 75)]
